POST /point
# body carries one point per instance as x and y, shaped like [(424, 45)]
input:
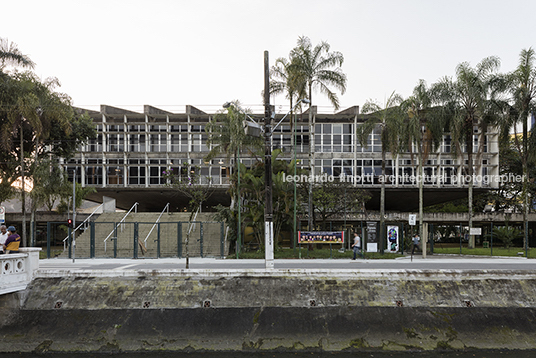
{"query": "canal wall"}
[(258, 310)]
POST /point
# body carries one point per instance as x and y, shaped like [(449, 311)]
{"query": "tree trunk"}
[(524, 161), (421, 185), (23, 191), (311, 162), (382, 204), (469, 141)]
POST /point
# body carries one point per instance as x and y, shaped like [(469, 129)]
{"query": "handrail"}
[(119, 223), (82, 223), (156, 222), (192, 224)]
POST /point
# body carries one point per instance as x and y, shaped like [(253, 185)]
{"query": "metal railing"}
[(134, 207), (81, 224), (155, 223)]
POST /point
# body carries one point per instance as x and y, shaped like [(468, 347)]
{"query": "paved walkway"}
[(432, 262)]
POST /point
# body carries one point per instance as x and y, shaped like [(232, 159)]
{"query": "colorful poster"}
[(321, 237), (392, 238)]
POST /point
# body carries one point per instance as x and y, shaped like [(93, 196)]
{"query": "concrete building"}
[(132, 150)]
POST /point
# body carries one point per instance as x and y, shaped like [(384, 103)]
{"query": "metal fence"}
[(145, 240)]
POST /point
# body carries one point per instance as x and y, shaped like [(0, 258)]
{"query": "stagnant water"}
[(469, 354)]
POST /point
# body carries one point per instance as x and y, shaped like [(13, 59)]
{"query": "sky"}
[(172, 53)]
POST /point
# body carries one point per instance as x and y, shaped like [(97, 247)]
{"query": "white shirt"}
[(3, 238), (357, 241)]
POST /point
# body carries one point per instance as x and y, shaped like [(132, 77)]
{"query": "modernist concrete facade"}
[(133, 149)]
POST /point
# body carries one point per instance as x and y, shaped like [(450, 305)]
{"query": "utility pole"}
[(268, 205)]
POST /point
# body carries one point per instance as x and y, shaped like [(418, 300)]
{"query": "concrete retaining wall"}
[(260, 310)]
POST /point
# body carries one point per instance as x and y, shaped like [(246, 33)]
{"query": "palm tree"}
[(424, 129), (11, 55), (470, 98), (284, 81), (316, 69), (521, 85), (388, 121), (227, 137)]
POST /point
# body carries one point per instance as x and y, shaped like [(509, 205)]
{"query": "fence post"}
[(69, 241), (158, 241), (92, 239), (201, 239), (222, 247), (135, 240), (48, 239), (115, 240), (179, 240)]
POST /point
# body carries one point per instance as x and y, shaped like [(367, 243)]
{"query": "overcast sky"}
[(205, 52)]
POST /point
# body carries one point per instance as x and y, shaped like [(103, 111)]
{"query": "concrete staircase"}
[(122, 239)]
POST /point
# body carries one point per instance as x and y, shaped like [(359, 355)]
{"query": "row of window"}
[(337, 138), (367, 172)]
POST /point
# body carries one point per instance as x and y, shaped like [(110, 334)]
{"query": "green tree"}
[(423, 129), (332, 199), (387, 120), (226, 137), (521, 86), (507, 234), (50, 184), (316, 68), (470, 98), (11, 55)]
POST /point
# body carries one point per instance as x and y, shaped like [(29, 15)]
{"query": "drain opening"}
[(207, 304), (469, 304), (146, 304), (58, 304), (399, 304), (312, 303)]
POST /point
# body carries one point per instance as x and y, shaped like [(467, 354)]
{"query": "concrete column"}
[(424, 239)]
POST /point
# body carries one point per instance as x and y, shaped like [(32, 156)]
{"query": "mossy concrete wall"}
[(270, 310)]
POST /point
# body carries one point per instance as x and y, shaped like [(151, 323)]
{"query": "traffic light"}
[(70, 223)]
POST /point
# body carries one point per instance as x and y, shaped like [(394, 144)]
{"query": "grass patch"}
[(311, 254), (53, 252), (497, 251)]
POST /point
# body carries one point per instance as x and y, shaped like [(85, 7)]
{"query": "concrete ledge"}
[(413, 274), (172, 289)]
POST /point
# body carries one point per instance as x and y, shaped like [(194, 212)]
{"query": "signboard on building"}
[(475, 231), (412, 219), (372, 239), (2, 214), (320, 237), (392, 238)]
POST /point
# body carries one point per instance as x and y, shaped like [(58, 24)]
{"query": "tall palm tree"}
[(424, 129), (387, 120), (315, 68), (11, 55), (469, 95), (521, 85), (284, 81)]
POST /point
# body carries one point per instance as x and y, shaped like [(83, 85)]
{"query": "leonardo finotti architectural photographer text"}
[(404, 179)]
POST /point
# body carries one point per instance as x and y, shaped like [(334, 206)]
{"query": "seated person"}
[(11, 246)]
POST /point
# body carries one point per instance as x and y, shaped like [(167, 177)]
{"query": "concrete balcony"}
[(18, 270)]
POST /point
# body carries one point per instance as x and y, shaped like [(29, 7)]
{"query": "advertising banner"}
[(392, 238), (320, 237)]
